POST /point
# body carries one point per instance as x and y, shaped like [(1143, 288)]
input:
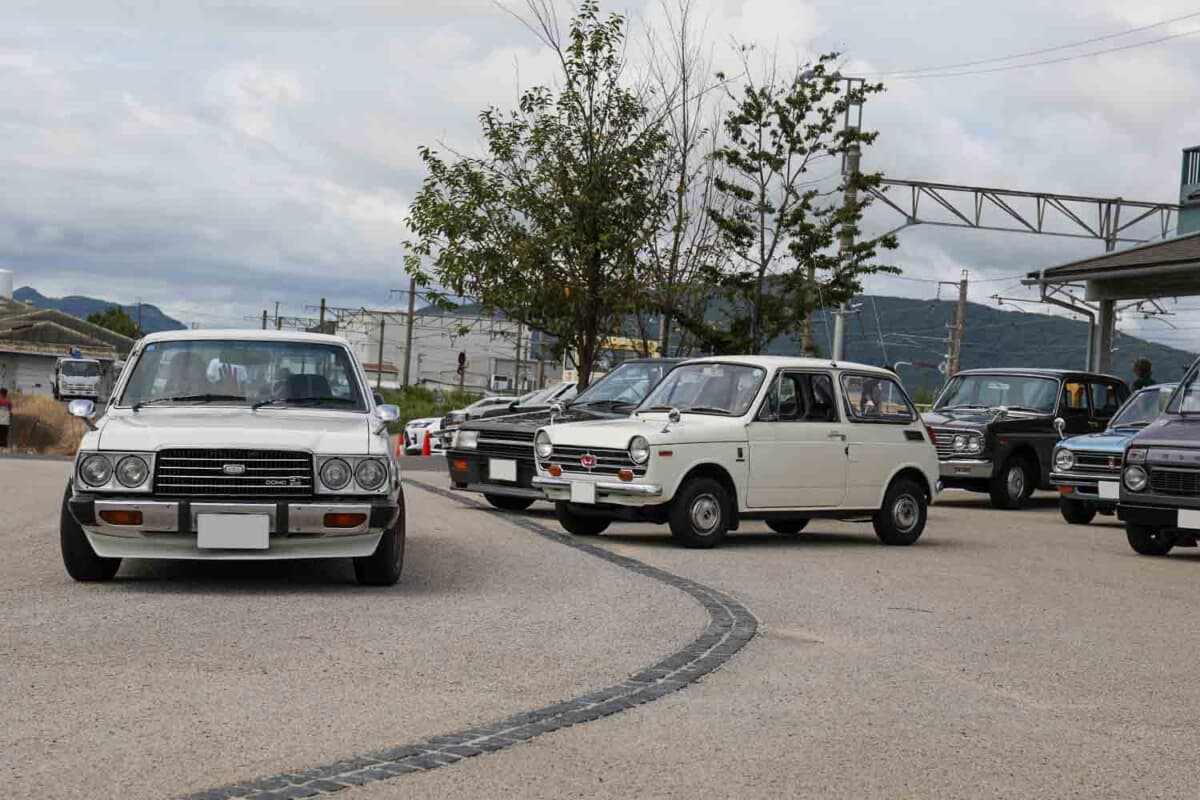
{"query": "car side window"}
[(1106, 398), (784, 401), (1074, 399), (875, 398), (821, 408)]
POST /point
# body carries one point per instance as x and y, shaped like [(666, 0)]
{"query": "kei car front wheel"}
[(579, 524), (901, 520), (1076, 512), (701, 513)]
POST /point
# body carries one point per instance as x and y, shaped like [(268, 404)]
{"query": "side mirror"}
[(556, 410), (673, 416), (1060, 425), (84, 410), (388, 413)]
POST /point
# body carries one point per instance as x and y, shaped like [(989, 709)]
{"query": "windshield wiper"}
[(706, 410), (312, 401), (188, 398)]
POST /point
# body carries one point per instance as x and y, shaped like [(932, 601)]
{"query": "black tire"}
[(79, 558), (1013, 484), (901, 521), (700, 514), (1148, 541), (383, 567), (579, 524), (787, 525), (1076, 512), (506, 503)]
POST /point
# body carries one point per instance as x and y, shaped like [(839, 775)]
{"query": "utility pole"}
[(408, 327), (957, 327), (139, 313), (517, 365), (277, 325), (264, 319), (379, 374), (321, 323), (849, 201)]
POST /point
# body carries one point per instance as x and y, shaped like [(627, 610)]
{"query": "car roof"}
[(1038, 372), (777, 362), (242, 335)]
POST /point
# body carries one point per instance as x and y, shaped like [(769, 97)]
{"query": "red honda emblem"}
[(588, 461)]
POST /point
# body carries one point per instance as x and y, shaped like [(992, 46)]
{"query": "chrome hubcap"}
[(706, 513), (905, 513), (1016, 482)]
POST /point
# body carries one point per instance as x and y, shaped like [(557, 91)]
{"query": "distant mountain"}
[(915, 330), (153, 319)]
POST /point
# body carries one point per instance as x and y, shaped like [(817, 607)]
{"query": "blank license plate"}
[(1189, 519), (1110, 490), (233, 531), (502, 469), (583, 492)]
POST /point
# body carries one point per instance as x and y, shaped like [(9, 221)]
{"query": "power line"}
[(1042, 51), (1044, 62)]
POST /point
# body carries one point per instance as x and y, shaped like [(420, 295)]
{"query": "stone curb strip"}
[(730, 626)]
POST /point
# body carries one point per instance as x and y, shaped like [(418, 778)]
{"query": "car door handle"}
[(836, 435)]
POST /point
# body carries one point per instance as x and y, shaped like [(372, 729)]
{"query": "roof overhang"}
[(1169, 268)]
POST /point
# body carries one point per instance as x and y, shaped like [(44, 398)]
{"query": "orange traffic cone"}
[(427, 448), (400, 445)]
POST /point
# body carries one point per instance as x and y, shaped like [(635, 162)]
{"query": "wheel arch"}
[(711, 469), (913, 472)]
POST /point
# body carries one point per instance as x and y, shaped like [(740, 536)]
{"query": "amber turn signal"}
[(625, 475), (340, 520), (1066, 489), (555, 470), (461, 466), (121, 517)]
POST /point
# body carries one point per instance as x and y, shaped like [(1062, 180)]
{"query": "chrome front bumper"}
[(554, 487), (963, 468)]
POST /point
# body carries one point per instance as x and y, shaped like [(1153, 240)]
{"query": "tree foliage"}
[(115, 319), (549, 225), (782, 232)]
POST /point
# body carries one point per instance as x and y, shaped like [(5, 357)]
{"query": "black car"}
[(1160, 480), (495, 456), (995, 429)]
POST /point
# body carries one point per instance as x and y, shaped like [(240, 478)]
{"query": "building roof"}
[(1169, 255), (243, 334)]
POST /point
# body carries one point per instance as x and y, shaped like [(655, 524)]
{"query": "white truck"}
[(76, 378)]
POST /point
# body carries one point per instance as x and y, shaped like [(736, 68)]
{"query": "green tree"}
[(550, 225), (115, 319), (783, 232)]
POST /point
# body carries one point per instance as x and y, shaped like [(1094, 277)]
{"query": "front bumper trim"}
[(961, 468), (180, 516), (604, 487)]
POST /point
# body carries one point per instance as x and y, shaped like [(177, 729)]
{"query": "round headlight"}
[(466, 440), (95, 470), (960, 442), (132, 471), (370, 474), (335, 474), (542, 445), (1064, 460), (974, 444), (639, 450), (1135, 479)]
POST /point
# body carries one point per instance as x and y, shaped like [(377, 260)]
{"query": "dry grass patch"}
[(42, 424)]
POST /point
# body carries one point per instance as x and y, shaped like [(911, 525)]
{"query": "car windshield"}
[(1186, 399), (80, 369), (1025, 392), (625, 385), (1143, 407), (707, 388), (259, 373)]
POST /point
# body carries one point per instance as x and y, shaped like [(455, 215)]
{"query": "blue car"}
[(1087, 469)]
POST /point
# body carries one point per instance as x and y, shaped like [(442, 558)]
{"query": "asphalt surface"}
[(1007, 654)]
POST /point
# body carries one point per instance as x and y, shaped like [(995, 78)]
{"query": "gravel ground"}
[(177, 677)]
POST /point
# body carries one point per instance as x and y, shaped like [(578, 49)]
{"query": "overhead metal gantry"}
[(1112, 220)]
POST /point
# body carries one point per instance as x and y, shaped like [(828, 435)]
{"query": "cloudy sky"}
[(214, 156)]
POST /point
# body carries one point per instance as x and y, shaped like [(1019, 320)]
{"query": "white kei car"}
[(726, 439), (244, 445)]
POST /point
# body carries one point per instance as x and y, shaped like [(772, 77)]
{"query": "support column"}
[(1106, 326)]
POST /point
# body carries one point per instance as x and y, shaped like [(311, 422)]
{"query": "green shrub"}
[(419, 401)]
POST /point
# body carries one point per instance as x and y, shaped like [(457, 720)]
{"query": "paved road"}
[(1006, 655)]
